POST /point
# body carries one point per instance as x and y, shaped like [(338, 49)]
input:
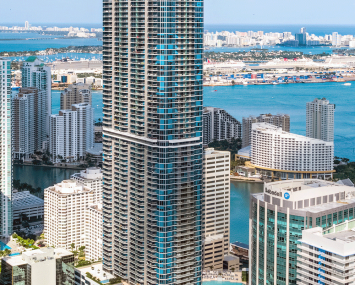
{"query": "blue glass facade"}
[(153, 140)]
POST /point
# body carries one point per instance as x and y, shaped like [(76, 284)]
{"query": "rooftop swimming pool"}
[(4, 246)]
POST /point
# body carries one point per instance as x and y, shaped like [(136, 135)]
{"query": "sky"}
[(270, 12)]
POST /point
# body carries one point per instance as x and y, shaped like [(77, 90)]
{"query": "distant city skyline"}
[(255, 12)]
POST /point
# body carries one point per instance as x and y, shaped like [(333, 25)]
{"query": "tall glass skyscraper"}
[(152, 162), (5, 147)]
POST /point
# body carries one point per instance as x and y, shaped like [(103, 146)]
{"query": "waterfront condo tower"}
[(5, 146), (152, 140)]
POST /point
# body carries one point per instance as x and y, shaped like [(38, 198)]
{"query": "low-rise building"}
[(24, 203), (94, 270), (45, 266)]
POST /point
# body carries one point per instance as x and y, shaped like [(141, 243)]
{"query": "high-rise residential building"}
[(27, 25), (70, 216), (85, 128), (75, 94), (63, 136), (44, 266), (336, 39), (280, 214), (72, 133), (281, 120), (28, 122), (36, 74), (219, 125), (216, 218), (92, 178), (320, 120), (152, 145), (327, 256), (282, 155), (6, 148)]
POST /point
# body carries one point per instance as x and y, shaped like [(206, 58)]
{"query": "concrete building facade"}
[(75, 94), (280, 214), (320, 120), (28, 122), (45, 266), (219, 125), (327, 256), (282, 155), (63, 139), (281, 120), (36, 74), (216, 217), (6, 149), (70, 216)]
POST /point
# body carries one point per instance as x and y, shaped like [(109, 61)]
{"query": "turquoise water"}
[(242, 101), (3, 246), (39, 176), (58, 56), (239, 209), (14, 254)]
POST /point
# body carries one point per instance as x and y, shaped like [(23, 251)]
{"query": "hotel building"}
[(282, 121), (327, 256), (70, 216), (6, 149), (219, 125), (282, 155), (152, 141), (320, 120), (75, 94), (216, 219), (280, 214)]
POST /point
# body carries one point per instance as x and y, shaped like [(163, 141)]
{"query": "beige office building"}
[(75, 94), (216, 217), (280, 120)]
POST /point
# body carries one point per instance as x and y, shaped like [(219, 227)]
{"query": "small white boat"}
[(275, 83), (245, 83), (347, 84)]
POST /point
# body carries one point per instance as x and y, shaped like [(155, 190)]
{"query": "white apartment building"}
[(219, 125), (93, 232), (216, 218), (85, 128), (320, 120), (28, 122), (36, 74), (92, 178), (75, 94), (63, 139), (69, 215), (44, 266), (280, 120), (6, 148), (327, 256), (283, 155)]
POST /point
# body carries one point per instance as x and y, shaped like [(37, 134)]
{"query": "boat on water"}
[(214, 90), (347, 84), (275, 83), (245, 83)]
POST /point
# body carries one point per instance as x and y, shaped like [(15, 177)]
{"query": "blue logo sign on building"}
[(287, 196)]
